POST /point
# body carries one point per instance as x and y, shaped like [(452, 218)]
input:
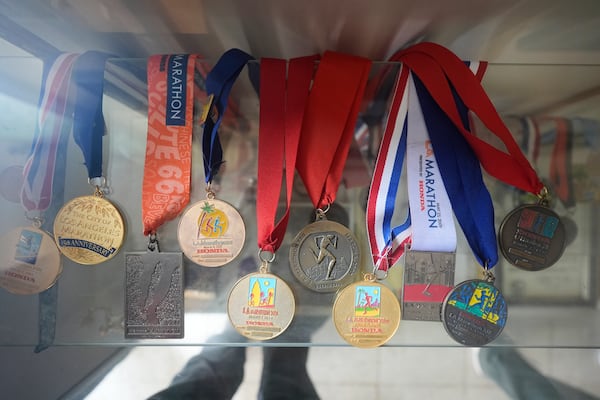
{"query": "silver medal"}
[(154, 295), (428, 277)]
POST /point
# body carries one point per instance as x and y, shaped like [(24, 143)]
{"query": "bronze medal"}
[(211, 233), (261, 306), (474, 313), (89, 230), (29, 261), (366, 314), (324, 256), (532, 237)]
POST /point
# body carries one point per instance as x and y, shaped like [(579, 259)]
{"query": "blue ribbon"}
[(219, 82), (460, 169), (88, 121)]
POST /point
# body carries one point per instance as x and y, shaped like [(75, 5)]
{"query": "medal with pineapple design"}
[(211, 232)]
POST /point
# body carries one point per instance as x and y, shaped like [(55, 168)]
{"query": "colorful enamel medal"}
[(474, 312), (532, 237), (30, 262), (261, 305), (211, 232), (366, 314)]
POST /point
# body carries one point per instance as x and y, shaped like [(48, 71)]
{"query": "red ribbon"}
[(280, 122), (329, 124), (438, 68)]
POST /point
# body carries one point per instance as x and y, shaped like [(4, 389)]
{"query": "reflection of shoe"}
[(598, 356), (475, 359)]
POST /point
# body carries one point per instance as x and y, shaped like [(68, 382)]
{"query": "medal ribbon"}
[(88, 121), (438, 68), (36, 193), (219, 82), (387, 243), (461, 172), (44, 171), (280, 124), (329, 124), (430, 209), (167, 168)]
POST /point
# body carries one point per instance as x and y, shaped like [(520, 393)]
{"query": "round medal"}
[(366, 314), (261, 306), (29, 261), (532, 237), (211, 233), (324, 256), (89, 230), (474, 313)]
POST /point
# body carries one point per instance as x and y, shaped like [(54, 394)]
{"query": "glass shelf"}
[(557, 307)]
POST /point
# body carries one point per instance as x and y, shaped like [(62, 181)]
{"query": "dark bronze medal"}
[(532, 237), (324, 256)]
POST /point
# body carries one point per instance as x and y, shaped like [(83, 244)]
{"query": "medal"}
[(532, 237), (261, 305), (29, 261), (89, 229), (366, 314), (474, 313), (429, 262), (154, 300), (428, 277), (324, 256), (211, 233), (153, 294)]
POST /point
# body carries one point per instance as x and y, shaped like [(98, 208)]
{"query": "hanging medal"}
[(89, 229), (154, 278), (429, 259), (29, 258), (532, 235), (474, 313), (261, 305), (211, 232), (324, 256)]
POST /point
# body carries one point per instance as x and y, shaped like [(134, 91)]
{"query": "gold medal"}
[(366, 314), (211, 233), (89, 230), (29, 261), (261, 306)]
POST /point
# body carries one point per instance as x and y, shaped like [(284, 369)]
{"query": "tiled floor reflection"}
[(349, 373)]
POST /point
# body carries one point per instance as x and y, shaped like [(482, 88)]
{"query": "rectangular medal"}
[(153, 295), (428, 278)]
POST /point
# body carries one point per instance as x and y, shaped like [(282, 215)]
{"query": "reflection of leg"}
[(284, 375), (520, 380), (215, 373)]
